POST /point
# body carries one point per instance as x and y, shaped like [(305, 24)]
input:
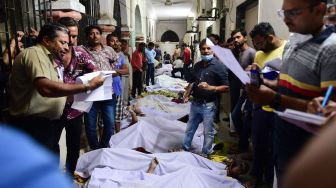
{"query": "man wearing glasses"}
[(308, 69)]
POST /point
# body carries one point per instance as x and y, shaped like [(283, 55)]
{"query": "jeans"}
[(201, 112), (107, 108), (73, 130), (150, 74)]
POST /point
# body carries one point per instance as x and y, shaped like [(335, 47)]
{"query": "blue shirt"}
[(23, 163), (150, 55), (117, 84)]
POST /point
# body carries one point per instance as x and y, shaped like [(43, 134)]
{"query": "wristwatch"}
[(276, 101), (87, 88)]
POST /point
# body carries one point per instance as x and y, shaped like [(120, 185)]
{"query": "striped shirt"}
[(310, 67), (307, 70)]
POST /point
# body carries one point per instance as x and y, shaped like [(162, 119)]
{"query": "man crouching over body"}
[(209, 79)]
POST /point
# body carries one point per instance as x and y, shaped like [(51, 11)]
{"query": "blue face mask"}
[(207, 58)]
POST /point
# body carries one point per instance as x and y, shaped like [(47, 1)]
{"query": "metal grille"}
[(18, 15), (90, 18)]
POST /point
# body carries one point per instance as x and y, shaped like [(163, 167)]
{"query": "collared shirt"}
[(81, 62), (33, 63), (215, 74), (308, 69), (150, 55), (104, 58)]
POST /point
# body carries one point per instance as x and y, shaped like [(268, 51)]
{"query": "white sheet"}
[(156, 134), (164, 82), (165, 69), (126, 168), (161, 106)]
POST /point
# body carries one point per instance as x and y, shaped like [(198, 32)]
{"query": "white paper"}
[(101, 93), (82, 106), (306, 121), (226, 57)]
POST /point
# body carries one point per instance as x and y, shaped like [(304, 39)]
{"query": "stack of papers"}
[(306, 121), (83, 101)]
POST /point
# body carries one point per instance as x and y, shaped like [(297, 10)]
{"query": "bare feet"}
[(152, 166)]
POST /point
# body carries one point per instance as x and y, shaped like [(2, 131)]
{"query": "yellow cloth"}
[(261, 58), (34, 62)]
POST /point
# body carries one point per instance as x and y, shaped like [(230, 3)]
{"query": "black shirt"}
[(215, 74)]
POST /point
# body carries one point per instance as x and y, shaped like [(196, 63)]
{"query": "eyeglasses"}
[(292, 13)]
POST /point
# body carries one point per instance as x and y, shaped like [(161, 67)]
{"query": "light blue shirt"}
[(23, 163), (150, 55)]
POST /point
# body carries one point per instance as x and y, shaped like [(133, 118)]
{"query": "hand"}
[(33, 32), (262, 95), (96, 82), (315, 107), (253, 66), (204, 85)]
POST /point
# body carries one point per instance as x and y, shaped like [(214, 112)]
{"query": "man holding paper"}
[(37, 92), (209, 79), (308, 69), (269, 47)]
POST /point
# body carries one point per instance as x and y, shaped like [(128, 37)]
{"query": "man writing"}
[(307, 70)]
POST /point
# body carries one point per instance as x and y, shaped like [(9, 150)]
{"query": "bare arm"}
[(219, 89), (265, 95), (123, 70), (49, 88)]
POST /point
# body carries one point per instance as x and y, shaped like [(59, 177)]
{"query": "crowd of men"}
[(296, 73)]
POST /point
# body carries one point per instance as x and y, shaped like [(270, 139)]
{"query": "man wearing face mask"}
[(209, 78)]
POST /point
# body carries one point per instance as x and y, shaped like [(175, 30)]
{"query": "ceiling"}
[(171, 9)]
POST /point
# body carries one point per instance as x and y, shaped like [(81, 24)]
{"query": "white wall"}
[(168, 47), (268, 13), (179, 27)]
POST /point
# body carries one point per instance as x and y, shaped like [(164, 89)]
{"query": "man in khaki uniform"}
[(37, 92)]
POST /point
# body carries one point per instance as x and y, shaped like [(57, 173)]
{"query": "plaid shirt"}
[(103, 59)]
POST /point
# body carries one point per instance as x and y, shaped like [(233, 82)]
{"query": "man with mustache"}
[(37, 92)]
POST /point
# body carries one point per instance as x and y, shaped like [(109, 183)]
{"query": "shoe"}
[(204, 155)]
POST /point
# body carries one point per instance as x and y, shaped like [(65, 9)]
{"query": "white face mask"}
[(207, 58)]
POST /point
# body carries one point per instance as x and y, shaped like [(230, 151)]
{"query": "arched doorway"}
[(138, 24), (170, 36)]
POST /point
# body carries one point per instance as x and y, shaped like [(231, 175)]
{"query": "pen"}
[(327, 96)]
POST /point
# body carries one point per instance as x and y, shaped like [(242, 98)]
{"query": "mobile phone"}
[(255, 78)]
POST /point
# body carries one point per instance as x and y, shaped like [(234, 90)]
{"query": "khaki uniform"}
[(34, 62)]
